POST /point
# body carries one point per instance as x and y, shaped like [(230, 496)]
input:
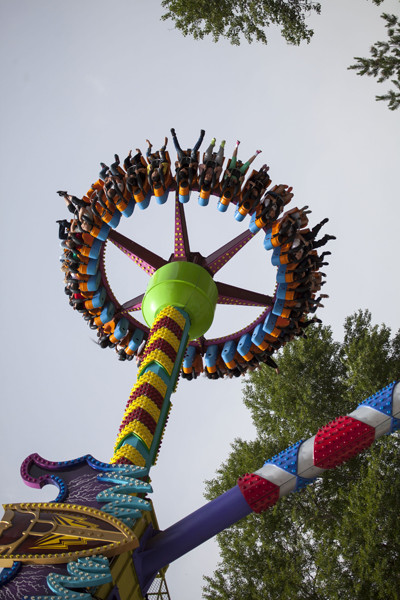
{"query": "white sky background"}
[(82, 80)]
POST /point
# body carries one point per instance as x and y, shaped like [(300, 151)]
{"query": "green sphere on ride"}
[(184, 285)]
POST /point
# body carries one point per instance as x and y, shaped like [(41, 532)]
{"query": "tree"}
[(340, 537), (384, 62), (230, 18)]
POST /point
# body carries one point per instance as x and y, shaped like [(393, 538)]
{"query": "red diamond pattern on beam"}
[(258, 492), (340, 440)]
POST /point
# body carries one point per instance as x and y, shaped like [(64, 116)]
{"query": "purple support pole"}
[(287, 472), (190, 532)]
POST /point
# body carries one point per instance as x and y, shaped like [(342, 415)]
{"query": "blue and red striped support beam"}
[(289, 471)]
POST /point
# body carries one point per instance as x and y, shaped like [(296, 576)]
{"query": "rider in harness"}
[(186, 165), (210, 170), (158, 169)]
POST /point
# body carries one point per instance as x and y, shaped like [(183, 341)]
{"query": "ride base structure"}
[(99, 538)]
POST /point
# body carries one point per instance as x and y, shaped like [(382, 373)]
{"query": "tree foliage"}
[(339, 538), (232, 18), (384, 62)]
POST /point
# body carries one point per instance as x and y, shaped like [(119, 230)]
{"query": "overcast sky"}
[(82, 80)]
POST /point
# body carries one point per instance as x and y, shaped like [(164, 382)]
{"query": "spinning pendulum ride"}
[(100, 538)]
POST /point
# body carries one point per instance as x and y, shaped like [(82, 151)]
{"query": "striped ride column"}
[(148, 406)]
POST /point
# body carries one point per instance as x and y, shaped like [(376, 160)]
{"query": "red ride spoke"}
[(132, 305), (147, 260), (230, 294), (215, 261), (181, 240)]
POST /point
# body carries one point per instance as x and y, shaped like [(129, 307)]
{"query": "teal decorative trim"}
[(84, 573), (158, 370), (119, 501), (137, 443)]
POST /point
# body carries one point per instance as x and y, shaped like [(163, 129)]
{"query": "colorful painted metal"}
[(139, 191), (289, 471), (147, 410), (39, 531), (94, 507), (110, 512), (183, 285)]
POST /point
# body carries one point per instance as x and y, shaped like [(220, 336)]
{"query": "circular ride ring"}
[(231, 354)]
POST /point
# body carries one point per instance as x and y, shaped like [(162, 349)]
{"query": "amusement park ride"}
[(99, 538)]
